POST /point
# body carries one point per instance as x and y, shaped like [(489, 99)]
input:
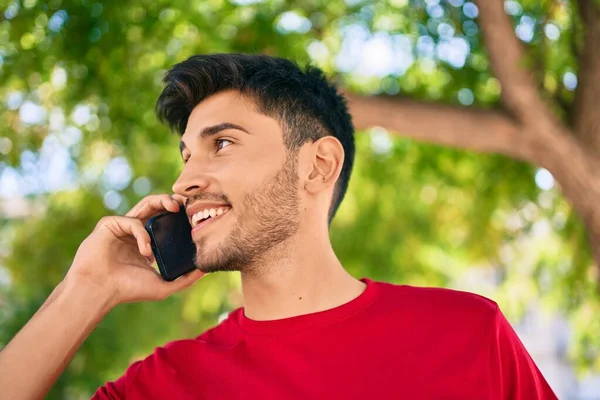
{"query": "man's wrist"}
[(96, 300)]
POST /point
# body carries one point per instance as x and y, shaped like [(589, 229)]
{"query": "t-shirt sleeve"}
[(117, 390), (513, 373)]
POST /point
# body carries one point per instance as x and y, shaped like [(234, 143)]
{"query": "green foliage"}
[(415, 213)]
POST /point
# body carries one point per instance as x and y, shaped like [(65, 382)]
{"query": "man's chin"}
[(209, 262)]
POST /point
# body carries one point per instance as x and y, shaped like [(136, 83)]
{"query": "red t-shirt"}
[(391, 342)]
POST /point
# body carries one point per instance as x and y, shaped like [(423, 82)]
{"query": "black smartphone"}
[(172, 244)]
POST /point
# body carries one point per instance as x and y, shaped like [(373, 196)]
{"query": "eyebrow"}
[(213, 130)]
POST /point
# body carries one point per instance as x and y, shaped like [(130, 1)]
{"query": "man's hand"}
[(117, 259), (112, 266)]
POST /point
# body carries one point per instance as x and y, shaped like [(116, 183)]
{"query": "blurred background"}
[(478, 138)]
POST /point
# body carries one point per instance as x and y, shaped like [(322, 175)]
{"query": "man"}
[(268, 150)]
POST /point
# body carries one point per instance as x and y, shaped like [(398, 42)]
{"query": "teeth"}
[(211, 212)]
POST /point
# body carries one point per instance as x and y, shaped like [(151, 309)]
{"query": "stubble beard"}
[(269, 216)]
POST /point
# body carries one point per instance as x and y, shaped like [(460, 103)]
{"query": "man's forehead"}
[(219, 107), (223, 102)]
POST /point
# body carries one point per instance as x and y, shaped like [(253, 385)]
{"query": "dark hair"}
[(306, 104)]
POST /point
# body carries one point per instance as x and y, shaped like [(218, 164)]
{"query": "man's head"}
[(270, 142)]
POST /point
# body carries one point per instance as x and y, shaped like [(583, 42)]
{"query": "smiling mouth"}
[(205, 217)]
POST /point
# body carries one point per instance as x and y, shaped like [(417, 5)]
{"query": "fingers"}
[(168, 288), (142, 237), (151, 259), (179, 199), (153, 204), (125, 226)]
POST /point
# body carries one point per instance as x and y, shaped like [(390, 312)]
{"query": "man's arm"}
[(35, 358), (112, 266), (513, 373)]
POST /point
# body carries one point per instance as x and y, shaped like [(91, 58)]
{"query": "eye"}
[(219, 143)]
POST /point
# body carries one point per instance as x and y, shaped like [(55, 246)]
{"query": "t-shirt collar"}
[(301, 322)]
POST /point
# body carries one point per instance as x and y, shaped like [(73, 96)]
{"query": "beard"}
[(268, 217)]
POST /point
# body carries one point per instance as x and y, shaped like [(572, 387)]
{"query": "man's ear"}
[(325, 164)]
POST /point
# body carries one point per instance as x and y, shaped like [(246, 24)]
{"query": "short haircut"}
[(305, 103)]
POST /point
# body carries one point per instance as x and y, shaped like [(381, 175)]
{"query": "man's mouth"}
[(206, 216)]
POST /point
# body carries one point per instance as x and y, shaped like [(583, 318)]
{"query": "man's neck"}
[(298, 281)]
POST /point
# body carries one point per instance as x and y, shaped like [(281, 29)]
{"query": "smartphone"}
[(172, 244)]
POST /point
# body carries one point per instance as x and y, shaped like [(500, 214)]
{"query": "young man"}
[(268, 150)]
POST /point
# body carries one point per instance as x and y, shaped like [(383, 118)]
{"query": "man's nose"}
[(190, 180)]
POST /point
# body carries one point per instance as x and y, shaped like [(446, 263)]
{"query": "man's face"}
[(250, 174)]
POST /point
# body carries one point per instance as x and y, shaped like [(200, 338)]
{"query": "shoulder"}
[(226, 334), (442, 304), (428, 296), (221, 336)]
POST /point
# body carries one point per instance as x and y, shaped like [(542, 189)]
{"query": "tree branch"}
[(587, 98), (480, 130), (519, 93), (544, 144), (533, 134)]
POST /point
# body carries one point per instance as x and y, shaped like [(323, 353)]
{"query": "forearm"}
[(35, 358)]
